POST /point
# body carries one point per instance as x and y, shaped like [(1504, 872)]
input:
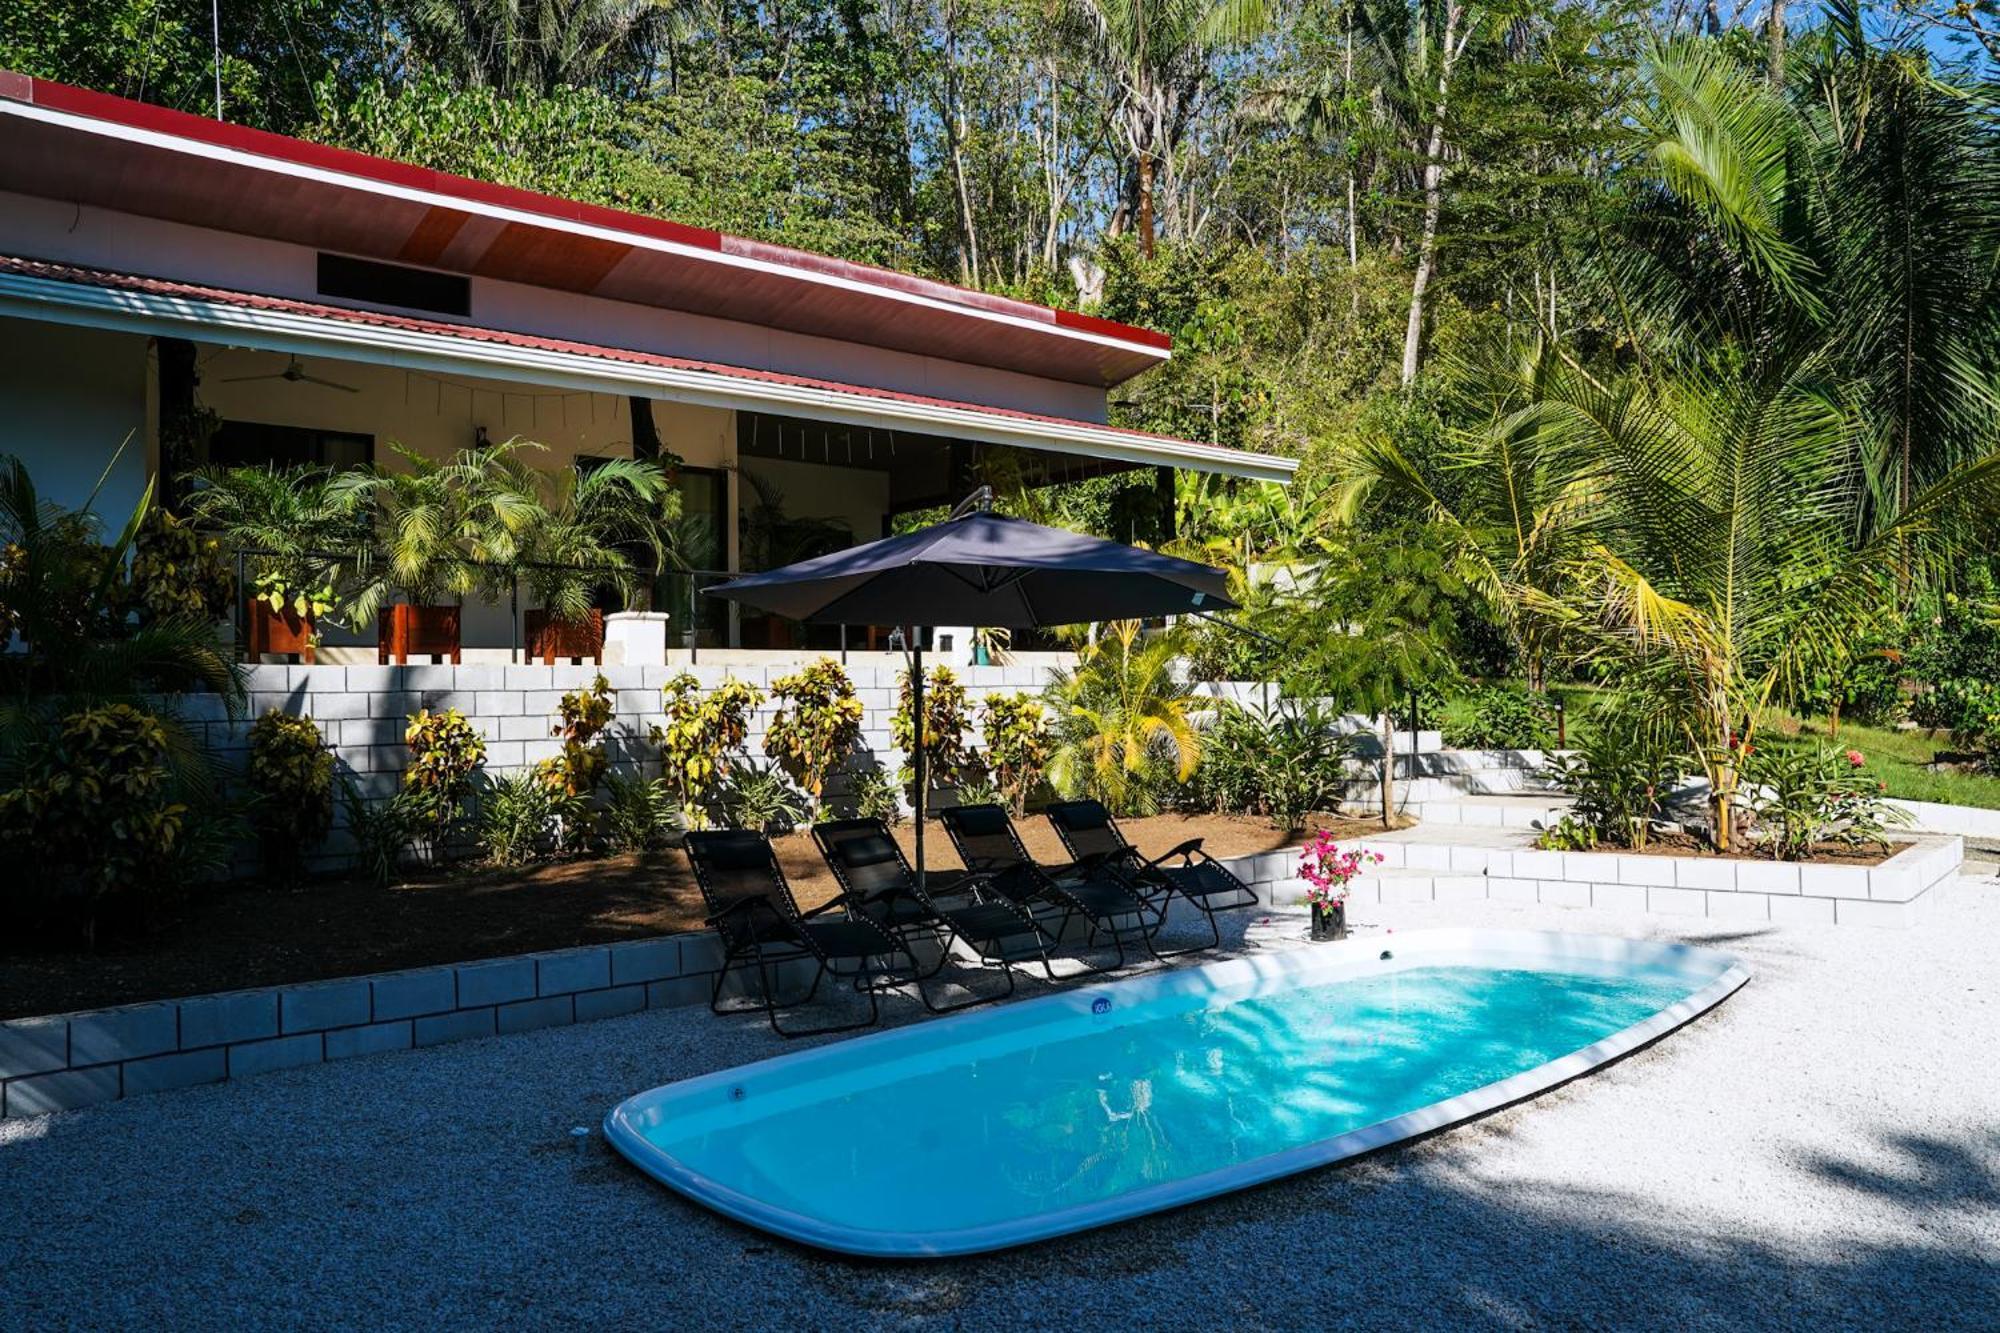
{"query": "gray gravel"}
[(1822, 1151)]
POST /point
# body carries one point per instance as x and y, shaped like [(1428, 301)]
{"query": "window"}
[(254, 444), (393, 284)]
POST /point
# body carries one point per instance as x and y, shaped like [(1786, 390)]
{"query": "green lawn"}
[(1899, 758)]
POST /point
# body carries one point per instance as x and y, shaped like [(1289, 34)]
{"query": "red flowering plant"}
[(1804, 797), (1327, 870)]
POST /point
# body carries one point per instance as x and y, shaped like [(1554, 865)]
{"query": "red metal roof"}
[(93, 148), (193, 292)]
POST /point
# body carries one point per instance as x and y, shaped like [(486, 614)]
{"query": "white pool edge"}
[(622, 1132)]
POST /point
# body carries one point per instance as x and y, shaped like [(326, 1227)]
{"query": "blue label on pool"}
[(1030, 1120)]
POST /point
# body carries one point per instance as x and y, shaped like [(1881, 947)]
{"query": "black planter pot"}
[(1329, 923)]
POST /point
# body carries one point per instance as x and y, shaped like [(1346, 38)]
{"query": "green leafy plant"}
[(947, 759), (445, 753), (90, 816), (639, 815), (876, 795), (1121, 721), (1283, 763), (307, 527), (763, 800), (178, 570), (381, 831), (816, 726), (291, 775), (1017, 745), (523, 817), (703, 730), (1625, 762), (1503, 718), (583, 714), (1808, 796), (1568, 834)]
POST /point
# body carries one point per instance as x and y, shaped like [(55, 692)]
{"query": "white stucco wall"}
[(68, 398), (55, 230)]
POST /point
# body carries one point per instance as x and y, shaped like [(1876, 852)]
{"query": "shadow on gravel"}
[(1398, 1242)]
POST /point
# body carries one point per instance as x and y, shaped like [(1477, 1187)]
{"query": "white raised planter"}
[(635, 638)]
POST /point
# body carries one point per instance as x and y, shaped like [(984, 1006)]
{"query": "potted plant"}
[(1328, 871), (441, 524), (297, 531), (588, 531)]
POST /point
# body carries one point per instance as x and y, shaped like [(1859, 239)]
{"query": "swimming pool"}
[(1019, 1122)]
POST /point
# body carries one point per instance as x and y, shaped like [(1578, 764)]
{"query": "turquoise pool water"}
[(1064, 1114)]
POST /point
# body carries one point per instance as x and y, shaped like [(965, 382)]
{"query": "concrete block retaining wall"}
[(1897, 893), (72, 1060)]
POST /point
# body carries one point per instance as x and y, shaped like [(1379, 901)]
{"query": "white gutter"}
[(438, 199), (158, 315)]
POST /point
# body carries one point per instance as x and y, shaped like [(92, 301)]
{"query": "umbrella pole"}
[(917, 732)]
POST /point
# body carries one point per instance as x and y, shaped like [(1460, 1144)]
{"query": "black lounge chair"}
[(751, 907), (989, 845), (1089, 833), (877, 882)]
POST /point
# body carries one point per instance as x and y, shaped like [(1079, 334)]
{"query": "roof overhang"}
[(91, 148), (91, 298)]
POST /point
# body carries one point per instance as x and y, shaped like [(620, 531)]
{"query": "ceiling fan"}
[(294, 373)]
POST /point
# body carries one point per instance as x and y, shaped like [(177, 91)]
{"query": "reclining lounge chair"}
[(877, 882), (751, 907), (989, 845), (1090, 834)]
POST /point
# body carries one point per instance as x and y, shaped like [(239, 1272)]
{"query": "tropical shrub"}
[(876, 795), (816, 726), (763, 800), (311, 523), (1283, 763), (381, 831), (704, 729), (90, 817), (178, 571), (1017, 745), (1807, 796), (639, 815), (1328, 871), (583, 714), (523, 817), (291, 776), (445, 753), (979, 789), (1502, 717), (1619, 774), (1121, 726), (947, 759)]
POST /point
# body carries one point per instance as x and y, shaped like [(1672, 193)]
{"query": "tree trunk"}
[(1774, 32), (1388, 767), (1346, 90), (645, 433), (1413, 333), (1146, 204), (177, 380)]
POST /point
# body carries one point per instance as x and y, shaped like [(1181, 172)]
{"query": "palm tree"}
[(305, 528), (1156, 54), (611, 525), (1716, 559), (535, 45), (1121, 718)]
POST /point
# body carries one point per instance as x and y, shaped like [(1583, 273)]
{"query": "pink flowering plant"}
[(1327, 870), (1810, 796)]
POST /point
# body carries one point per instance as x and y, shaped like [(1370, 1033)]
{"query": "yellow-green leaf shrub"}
[(91, 815), (291, 774), (816, 726), (445, 752), (703, 729)]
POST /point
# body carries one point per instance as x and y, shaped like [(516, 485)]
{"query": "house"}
[(327, 305)]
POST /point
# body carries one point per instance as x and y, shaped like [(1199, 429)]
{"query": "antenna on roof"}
[(215, 39)]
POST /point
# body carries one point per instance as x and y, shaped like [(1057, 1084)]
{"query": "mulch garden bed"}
[(249, 935), (1826, 853)]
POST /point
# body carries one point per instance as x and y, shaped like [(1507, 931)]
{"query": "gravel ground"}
[(1821, 1151)]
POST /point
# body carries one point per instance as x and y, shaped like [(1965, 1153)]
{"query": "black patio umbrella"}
[(980, 568)]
